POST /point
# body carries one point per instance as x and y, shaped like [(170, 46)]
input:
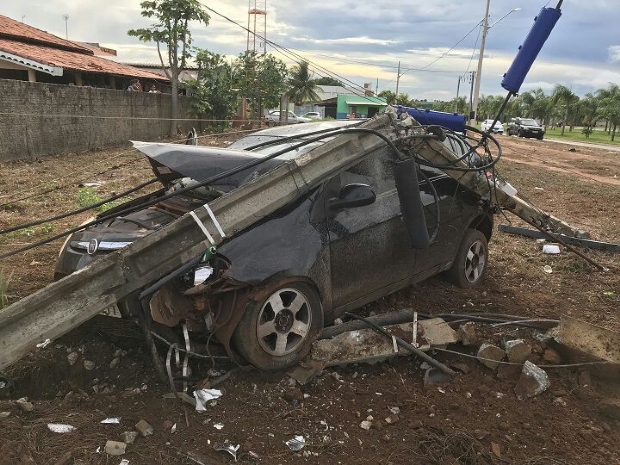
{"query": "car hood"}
[(172, 161)]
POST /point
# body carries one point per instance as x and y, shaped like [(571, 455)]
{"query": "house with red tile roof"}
[(30, 54)]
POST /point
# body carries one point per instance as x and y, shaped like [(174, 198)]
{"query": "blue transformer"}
[(452, 121), (543, 25)]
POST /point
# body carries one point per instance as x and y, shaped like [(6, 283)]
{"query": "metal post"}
[(397, 83), (471, 103), (456, 105), (485, 29)]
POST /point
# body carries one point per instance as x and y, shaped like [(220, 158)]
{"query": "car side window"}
[(378, 169)]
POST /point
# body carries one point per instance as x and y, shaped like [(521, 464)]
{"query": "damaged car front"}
[(267, 291)]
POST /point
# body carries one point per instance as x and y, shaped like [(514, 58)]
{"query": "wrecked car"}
[(267, 292)]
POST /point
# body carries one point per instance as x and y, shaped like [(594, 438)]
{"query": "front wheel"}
[(470, 266), (277, 332)]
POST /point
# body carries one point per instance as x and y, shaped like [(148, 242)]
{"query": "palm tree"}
[(302, 88), (564, 96), (610, 106)]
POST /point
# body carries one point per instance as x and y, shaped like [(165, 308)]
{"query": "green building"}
[(356, 106)]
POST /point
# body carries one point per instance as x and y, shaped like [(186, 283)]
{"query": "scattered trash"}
[(203, 396), (60, 428), (296, 444), (533, 381), (144, 428), (115, 448), (173, 429), (539, 189), (394, 410), (91, 184), (44, 344), (112, 421), (124, 462), (228, 447), (490, 355), (129, 436), (218, 426), (553, 249), (392, 419), (547, 269), (367, 423)]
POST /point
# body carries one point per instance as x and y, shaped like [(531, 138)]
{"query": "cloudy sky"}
[(363, 40)]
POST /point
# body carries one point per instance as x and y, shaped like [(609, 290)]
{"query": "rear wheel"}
[(277, 332), (470, 266)]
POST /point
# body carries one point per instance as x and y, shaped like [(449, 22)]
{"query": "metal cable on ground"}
[(405, 345), (211, 180), (77, 212)]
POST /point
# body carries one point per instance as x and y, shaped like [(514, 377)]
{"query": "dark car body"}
[(525, 127), (350, 256)]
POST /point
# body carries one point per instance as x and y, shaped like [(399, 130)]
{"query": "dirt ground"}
[(475, 419)]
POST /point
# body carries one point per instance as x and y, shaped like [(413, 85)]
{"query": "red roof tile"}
[(73, 61), (11, 29)]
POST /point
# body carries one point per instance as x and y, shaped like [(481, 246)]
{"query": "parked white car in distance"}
[(273, 118), (486, 124), (312, 115)]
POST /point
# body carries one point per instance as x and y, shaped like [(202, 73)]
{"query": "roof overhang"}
[(367, 103), (53, 70)]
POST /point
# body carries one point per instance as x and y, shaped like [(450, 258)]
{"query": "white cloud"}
[(614, 53)]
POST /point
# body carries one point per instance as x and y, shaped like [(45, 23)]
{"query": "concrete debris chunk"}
[(129, 437), (392, 419), (24, 405), (517, 350), (533, 381), (144, 428), (366, 425), (89, 365), (115, 448), (60, 428), (72, 358), (490, 356), (437, 332), (468, 335)]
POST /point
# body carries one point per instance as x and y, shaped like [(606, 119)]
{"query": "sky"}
[(362, 41)]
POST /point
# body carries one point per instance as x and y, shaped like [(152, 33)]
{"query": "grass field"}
[(598, 136)]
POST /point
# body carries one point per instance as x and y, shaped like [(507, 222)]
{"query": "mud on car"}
[(267, 292)]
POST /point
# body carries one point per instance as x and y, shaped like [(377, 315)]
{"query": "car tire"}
[(470, 266), (278, 331), (540, 137)]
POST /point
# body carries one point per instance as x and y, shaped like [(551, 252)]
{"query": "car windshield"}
[(529, 122)]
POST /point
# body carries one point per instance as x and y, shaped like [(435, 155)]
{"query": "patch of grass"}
[(88, 196), (597, 136), (4, 286)]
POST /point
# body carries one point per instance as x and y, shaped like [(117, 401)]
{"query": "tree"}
[(171, 31), (261, 79), (389, 96), (302, 88), (610, 106), (564, 96), (212, 92), (328, 81)]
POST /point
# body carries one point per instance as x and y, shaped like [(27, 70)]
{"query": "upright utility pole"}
[(485, 30), (471, 93), (458, 87), (397, 83)]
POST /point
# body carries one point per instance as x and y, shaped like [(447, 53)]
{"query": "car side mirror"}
[(351, 196)]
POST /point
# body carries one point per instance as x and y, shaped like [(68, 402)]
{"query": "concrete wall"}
[(38, 119)]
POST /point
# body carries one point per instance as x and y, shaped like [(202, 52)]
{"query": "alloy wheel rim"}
[(283, 322), (475, 261)]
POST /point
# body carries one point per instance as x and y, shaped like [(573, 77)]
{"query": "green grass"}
[(598, 136), (88, 196)]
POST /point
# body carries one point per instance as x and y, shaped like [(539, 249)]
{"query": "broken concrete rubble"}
[(490, 355), (533, 381), (468, 335), (115, 448), (517, 350)]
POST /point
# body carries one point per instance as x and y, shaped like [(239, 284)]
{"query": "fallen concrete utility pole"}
[(66, 304)]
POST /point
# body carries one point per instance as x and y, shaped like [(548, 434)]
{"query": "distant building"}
[(30, 54), (189, 72), (341, 102)]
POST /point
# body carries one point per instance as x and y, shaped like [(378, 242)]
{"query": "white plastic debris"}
[(205, 395), (553, 249), (60, 428), (296, 444), (366, 424), (124, 462), (173, 429), (112, 421), (44, 344), (547, 269), (218, 426), (228, 447)]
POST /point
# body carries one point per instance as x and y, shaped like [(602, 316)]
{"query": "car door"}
[(369, 251)]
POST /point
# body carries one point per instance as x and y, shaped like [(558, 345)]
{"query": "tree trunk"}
[(564, 122), (174, 111), (613, 133)]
